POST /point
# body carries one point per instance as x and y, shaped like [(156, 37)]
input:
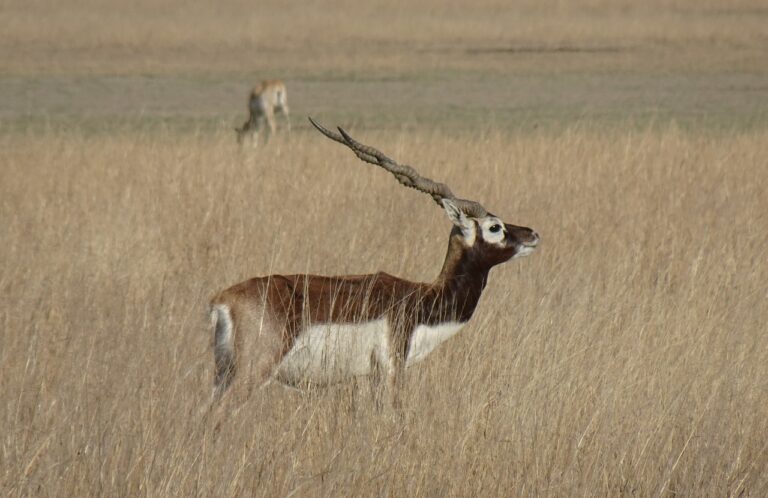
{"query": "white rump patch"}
[(327, 353), (221, 319), (427, 337)]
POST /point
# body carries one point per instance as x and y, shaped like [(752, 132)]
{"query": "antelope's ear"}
[(459, 219)]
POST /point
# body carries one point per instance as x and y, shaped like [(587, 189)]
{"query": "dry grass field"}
[(628, 356)]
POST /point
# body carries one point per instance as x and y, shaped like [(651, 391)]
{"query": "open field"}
[(628, 356), (92, 64)]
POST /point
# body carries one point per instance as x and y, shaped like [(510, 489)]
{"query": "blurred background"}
[(389, 63)]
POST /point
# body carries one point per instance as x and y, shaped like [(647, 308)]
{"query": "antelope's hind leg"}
[(287, 114), (246, 346)]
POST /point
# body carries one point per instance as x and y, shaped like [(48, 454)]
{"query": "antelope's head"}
[(487, 237), (482, 235)]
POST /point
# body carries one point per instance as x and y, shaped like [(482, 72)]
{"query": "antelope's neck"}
[(460, 283)]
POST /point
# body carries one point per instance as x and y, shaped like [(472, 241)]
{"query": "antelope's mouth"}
[(533, 242), (524, 250), (526, 247)]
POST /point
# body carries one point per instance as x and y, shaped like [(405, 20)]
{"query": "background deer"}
[(266, 99), (314, 330)]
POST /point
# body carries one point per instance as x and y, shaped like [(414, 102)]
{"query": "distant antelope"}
[(314, 330), (266, 99)]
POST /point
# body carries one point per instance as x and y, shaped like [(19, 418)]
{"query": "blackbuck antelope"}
[(313, 330), (266, 99)]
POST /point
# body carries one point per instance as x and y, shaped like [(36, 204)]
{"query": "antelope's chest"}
[(427, 337)]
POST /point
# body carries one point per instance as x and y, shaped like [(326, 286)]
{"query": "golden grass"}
[(628, 356)]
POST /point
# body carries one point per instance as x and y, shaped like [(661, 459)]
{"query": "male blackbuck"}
[(266, 99), (313, 330)]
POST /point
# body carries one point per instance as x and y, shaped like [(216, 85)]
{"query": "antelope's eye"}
[(495, 228)]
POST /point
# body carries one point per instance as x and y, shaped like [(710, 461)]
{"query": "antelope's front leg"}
[(395, 377)]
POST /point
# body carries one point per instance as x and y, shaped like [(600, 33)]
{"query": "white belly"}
[(427, 337), (329, 352)]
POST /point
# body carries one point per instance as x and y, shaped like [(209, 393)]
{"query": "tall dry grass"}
[(628, 356)]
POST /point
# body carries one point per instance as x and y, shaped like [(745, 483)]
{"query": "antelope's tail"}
[(223, 348)]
